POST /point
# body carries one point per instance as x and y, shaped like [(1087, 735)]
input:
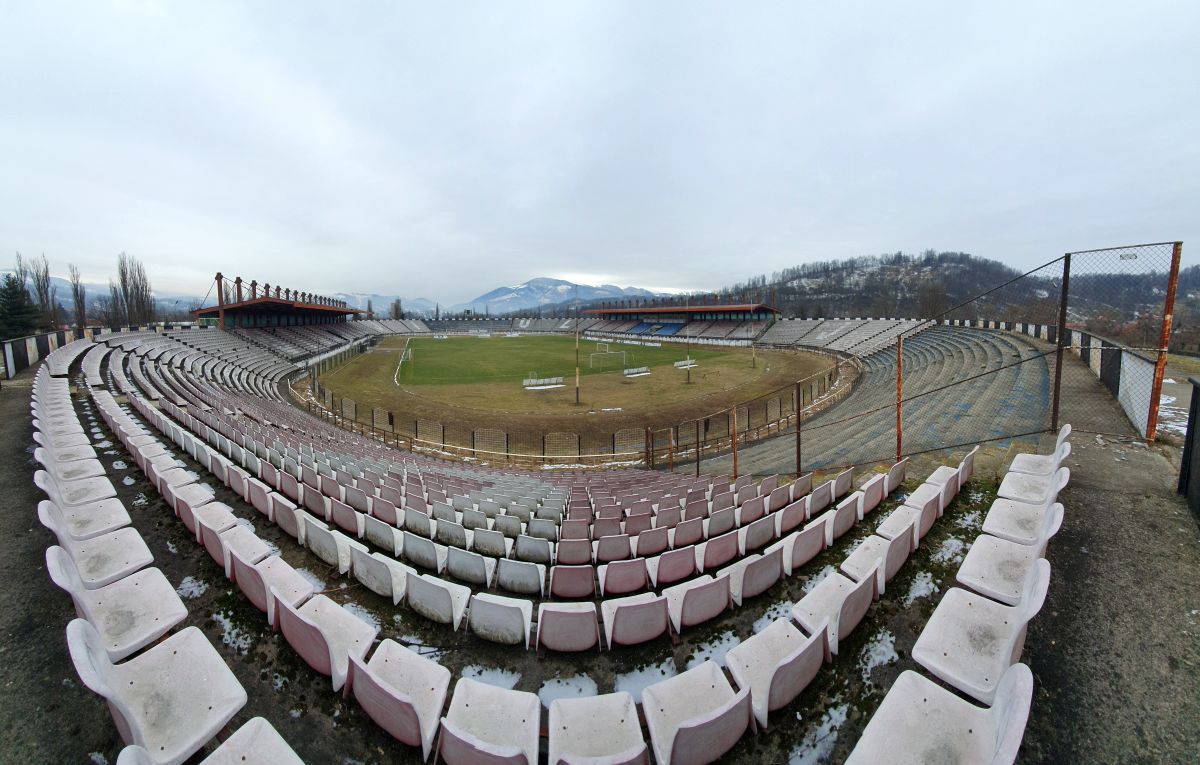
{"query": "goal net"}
[(606, 359)]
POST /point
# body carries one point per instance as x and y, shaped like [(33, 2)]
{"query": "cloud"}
[(441, 151)]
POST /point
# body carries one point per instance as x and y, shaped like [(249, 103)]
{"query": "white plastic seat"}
[(758, 534), (970, 641), (256, 742), (717, 551), (490, 543), (836, 606), (500, 619), (1033, 489), (696, 716), (573, 581), (533, 549), (105, 558), (470, 566), (221, 545), (86, 521), (776, 665), (567, 626), (634, 619), (920, 722), (998, 568), (873, 493), (1024, 524), (927, 491), (325, 635), (129, 614), (521, 577), (380, 574), (486, 724), (842, 518), (902, 520), (881, 557), (384, 535), (949, 478), (436, 599), (672, 566), (601, 730), (895, 476), (651, 542), (331, 546), (753, 575), (183, 674), (69, 494), (696, 601), (621, 577), (271, 577), (67, 470), (402, 691), (453, 534), (1044, 464)]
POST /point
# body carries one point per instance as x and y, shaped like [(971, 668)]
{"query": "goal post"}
[(605, 359)]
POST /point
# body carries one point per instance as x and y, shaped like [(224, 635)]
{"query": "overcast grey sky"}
[(441, 149)]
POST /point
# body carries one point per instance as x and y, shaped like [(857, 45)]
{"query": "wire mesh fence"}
[(1014, 361)]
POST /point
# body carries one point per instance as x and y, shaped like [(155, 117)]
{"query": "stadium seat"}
[(183, 674), (380, 574), (521, 577), (72, 494), (572, 581), (671, 566), (596, 729), (901, 520), (775, 665), (836, 606), (220, 545), (495, 544), (1039, 464), (687, 533), (880, 556), (500, 619), (324, 634), (896, 475), (717, 551), (753, 575), (720, 522), (821, 498), (86, 521), (758, 534), (67, 469), (696, 716), (470, 566), (799, 547), (791, 517), (344, 517), (998, 568), (1033, 489), (489, 724), (383, 535), (424, 552), (1024, 524), (261, 582), (533, 549), (622, 577), (105, 558), (696, 601), (402, 691), (919, 722), (437, 600), (567, 626), (634, 619), (970, 641), (873, 493), (651, 542), (331, 546), (129, 614), (256, 741)]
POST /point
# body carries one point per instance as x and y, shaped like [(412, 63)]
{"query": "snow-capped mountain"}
[(382, 304), (546, 291)]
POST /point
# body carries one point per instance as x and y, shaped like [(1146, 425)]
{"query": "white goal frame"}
[(592, 357)]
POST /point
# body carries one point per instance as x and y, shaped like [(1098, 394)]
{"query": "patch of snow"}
[(971, 520), (191, 587), (97, 758), (879, 651), (501, 678), (171, 548), (245, 522), (140, 500), (566, 688), (231, 635), (922, 587), (818, 743), (128, 480), (778, 611), (951, 551), (714, 649), (120, 465), (638, 680), (294, 714)]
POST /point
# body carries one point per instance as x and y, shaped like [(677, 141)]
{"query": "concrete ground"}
[(1115, 654)]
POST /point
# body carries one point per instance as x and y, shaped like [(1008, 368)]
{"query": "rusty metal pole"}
[(220, 301), (1164, 339), (799, 406), (697, 448), (671, 450), (899, 396), (1062, 339), (649, 450), (733, 436)]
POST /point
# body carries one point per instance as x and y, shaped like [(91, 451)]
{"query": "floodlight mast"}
[(577, 345), (687, 299)]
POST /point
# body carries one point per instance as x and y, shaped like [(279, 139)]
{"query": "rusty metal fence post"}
[(733, 441), (1164, 339), (899, 396), (798, 407), (1064, 338)]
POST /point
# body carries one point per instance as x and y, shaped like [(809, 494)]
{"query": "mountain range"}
[(544, 291)]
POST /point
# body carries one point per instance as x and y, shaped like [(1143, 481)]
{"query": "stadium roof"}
[(275, 305), (746, 307)]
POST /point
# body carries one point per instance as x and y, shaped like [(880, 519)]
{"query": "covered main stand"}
[(251, 305)]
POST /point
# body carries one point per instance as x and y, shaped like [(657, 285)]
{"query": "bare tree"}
[(133, 292), (78, 298), (397, 309), (44, 291), (370, 309)]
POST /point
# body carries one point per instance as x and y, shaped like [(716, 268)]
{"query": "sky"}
[(442, 149)]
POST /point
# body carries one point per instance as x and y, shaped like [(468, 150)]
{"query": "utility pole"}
[(577, 345), (687, 301)]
